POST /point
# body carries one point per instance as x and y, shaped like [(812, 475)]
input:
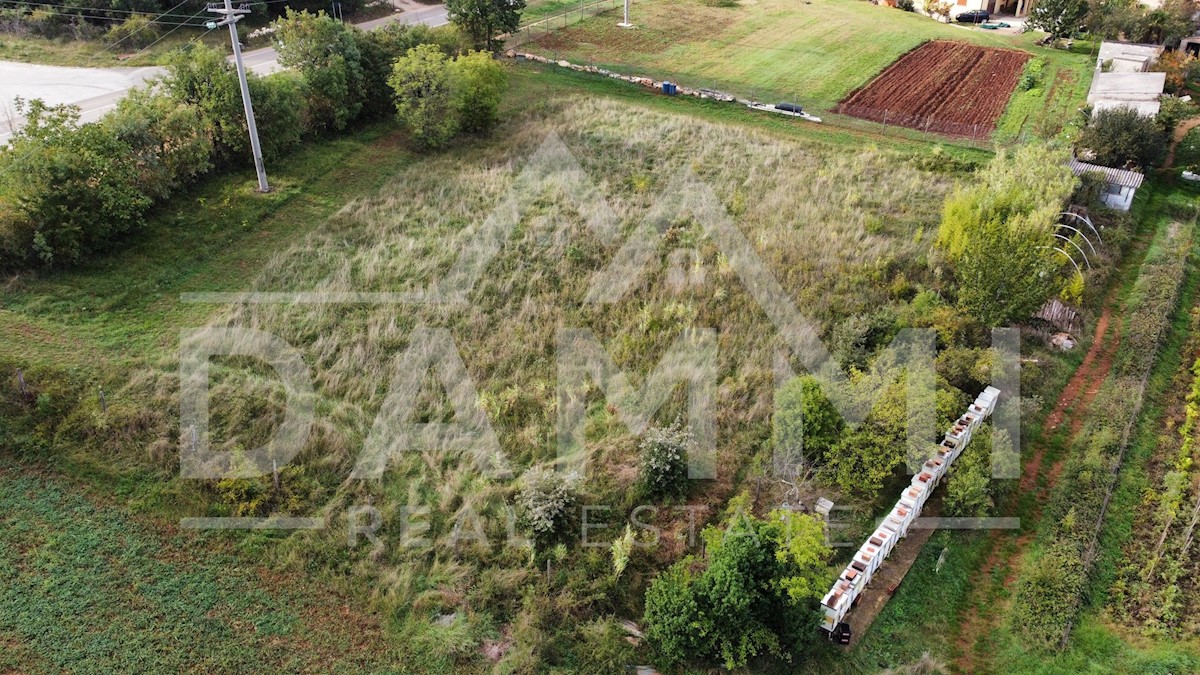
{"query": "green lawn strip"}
[(815, 53), (90, 589), (538, 80)]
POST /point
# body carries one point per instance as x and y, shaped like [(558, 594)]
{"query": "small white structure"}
[(1120, 185)]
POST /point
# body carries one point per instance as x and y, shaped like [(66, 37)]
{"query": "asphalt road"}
[(97, 90)]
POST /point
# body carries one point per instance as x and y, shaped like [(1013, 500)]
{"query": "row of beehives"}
[(895, 525)]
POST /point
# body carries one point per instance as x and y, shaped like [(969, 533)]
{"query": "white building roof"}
[(1112, 176), (1127, 50), (1145, 108), (1127, 86)]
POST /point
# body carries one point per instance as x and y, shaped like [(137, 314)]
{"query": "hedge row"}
[(69, 189)]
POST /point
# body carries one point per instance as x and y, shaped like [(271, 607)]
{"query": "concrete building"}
[(1127, 57), (1137, 90), (1120, 185)]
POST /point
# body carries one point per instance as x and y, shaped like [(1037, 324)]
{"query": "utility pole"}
[(232, 16), (625, 23)]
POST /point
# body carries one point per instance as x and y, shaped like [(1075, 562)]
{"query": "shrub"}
[(546, 500), (479, 82), (1031, 76), (74, 188), (664, 452), (424, 89), (202, 77), (280, 112), (906, 5), (169, 140), (137, 32), (1120, 136)]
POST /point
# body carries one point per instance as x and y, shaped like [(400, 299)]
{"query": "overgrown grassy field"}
[(845, 231), (98, 54), (814, 52), (843, 219)]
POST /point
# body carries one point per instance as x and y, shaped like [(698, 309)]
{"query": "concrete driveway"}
[(97, 90)]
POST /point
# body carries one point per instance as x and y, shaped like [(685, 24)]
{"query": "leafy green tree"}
[(376, 64), (483, 20), (755, 596), (73, 188), (800, 545), (424, 87), (1112, 18), (480, 81), (326, 53), (806, 423), (865, 458), (1122, 135), (1167, 23), (202, 77), (1059, 18), (998, 234)]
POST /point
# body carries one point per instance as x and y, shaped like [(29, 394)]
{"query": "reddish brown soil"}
[(951, 88), (1180, 131), (1075, 399)]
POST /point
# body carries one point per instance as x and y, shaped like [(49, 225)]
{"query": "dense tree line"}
[(1127, 20), (69, 189)]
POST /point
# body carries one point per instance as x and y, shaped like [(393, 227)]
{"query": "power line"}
[(97, 55), (5, 4), (117, 19)]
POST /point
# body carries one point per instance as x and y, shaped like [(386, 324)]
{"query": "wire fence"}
[(546, 25)]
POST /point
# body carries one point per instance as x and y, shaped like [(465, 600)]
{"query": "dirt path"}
[(1072, 403), (1180, 131)]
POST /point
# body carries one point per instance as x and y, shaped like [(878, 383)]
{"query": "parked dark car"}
[(974, 16)]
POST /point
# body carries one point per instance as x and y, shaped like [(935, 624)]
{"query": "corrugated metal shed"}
[(1112, 176)]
